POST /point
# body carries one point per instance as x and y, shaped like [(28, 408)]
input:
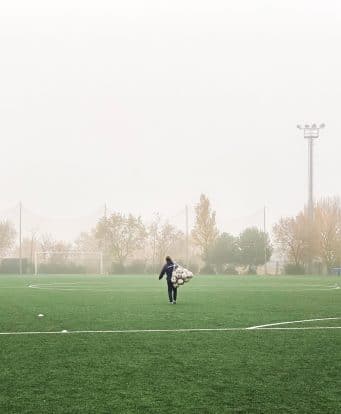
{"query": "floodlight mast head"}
[(311, 131)]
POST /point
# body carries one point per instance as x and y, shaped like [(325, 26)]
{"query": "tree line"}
[(129, 245)]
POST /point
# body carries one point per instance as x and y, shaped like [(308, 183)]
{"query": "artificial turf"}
[(241, 371)]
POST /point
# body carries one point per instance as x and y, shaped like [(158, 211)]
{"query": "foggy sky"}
[(146, 104)]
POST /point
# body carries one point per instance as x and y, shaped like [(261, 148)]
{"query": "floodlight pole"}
[(310, 204), (101, 263), (104, 254), (36, 263), (265, 244), (20, 243), (187, 238), (311, 132)]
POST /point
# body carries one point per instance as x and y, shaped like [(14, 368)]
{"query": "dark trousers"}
[(172, 291)]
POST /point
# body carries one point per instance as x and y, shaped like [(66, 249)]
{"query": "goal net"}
[(68, 262)]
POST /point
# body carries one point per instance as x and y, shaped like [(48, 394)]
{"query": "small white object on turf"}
[(40, 315), (64, 331)]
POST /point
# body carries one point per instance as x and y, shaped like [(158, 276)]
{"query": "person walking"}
[(168, 270)]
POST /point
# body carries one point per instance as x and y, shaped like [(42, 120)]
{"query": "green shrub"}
[(136, 267), (294, 269), (61, 268), (12, 265), (193, 267), (207, 270), (117, 269), (230, 270)]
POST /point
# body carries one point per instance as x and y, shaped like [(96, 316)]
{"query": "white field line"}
[(84, 288), (13, 287), (136, 331), (52, 285), (67, 287), (78, 289), (293, 328), (60, 286), (125, 331), (267, 327)]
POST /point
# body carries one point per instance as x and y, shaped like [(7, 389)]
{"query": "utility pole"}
[(265, 243), (104, 254), (187, 238), (310, 132), (20, 244)]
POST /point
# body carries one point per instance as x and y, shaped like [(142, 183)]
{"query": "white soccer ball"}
[(179, 272), (64, 331), (40, 315), (181, 276)]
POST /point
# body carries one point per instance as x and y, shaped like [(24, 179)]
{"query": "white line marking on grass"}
[(268, 325), (77, 289), (51, 285), (333, 287), (79, 286), (125, 331), (294, 289), (84, 288), (262, 328), (296, 328), (13, 287), (65, 287)]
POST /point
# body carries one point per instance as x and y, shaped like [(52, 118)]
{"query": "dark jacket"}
[(168, 270)]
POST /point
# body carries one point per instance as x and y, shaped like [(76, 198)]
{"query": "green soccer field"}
[(126, 350)]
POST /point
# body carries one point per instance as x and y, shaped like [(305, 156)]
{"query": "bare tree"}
[(168, 240), (7, 236), (87, 242), (327, 218), (291, 237), (153, 231), (28, 246), (33, 243), (56, 251), (123, 235), (299, 240)]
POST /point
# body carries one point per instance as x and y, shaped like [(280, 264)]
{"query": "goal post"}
[(68, 261)]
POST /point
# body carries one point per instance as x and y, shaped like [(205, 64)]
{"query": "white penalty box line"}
[(80, 286), (278, 326)]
